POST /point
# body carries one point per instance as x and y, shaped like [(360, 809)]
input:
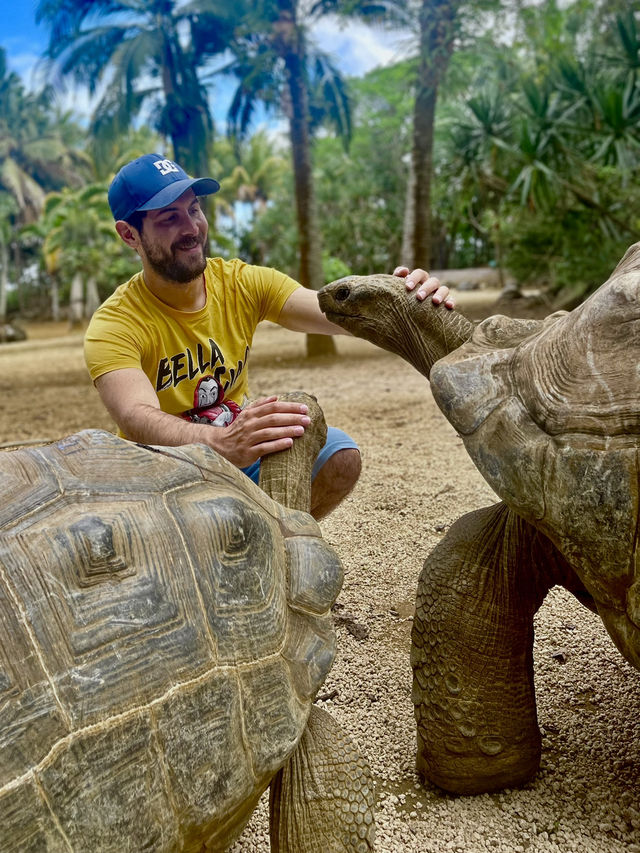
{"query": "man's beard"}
[(167, 265)]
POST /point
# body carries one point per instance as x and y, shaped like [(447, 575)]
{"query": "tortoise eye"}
[(342, 293)]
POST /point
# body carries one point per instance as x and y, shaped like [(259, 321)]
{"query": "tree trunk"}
[(76, 301), (4, 278), (437, 21), (423, 122), (92, 301), (187, 116), (55, 299), (408, 224), (308, 234)]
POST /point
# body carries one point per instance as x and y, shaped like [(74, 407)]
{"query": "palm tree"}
[(250, 169), (277, 64), (134, 52), (8, 210), (17, 121), (440, 26), (78, 240), (39, 152), (109, 153), (436, 26), (38, 148)]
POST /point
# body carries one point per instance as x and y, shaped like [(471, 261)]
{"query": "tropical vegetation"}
[(506, 133)]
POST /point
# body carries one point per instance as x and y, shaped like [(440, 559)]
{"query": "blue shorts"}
[(336, 440)]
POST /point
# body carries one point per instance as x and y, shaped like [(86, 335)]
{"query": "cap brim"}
[(168, 194)]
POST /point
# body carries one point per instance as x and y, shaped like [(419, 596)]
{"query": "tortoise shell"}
[(165, 626), (549, 411)]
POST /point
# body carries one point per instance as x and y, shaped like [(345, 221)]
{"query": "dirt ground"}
[(416, 480)]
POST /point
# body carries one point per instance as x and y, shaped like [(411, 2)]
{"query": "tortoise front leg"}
[(472, 652), (323, 798), (286, 476)]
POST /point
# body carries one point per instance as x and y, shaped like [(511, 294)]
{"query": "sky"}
[(20, 36), (357, 49)]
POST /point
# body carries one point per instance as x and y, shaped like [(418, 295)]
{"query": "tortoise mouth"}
[(343, 319)]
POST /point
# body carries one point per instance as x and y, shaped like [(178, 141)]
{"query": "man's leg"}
[(335, 472)]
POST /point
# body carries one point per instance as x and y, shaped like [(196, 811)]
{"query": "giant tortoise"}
[(550, 413), (165, 628)]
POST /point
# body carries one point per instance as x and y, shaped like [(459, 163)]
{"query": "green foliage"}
[(273, 239), (572, 256), (333, 268), (136, 52), (360, 193), (76, 235), (38, 148), (551, 148), (536, 160)]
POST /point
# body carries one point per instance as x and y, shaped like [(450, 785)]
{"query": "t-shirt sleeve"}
[(272, 288), (108, 346)]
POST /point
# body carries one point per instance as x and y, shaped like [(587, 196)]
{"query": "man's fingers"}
[(433, 288), (255, 421), (270, 405), (416, 277)]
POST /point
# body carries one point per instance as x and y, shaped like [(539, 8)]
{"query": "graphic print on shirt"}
[(209, 405), (188, 364)]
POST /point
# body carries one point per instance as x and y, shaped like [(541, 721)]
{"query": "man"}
[(168, 350)]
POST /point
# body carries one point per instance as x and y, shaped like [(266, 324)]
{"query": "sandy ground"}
[(416, 480)]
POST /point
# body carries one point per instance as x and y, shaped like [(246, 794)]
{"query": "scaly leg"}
[(322, 800), (286, 476), (472, 651)]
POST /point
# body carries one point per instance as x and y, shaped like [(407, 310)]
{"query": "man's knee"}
[(342, 467), (348, 465), (335, 480)]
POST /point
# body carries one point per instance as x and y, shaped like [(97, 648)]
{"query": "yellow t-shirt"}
[(193, 360)]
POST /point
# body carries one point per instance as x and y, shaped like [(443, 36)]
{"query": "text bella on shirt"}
[(187, 365)]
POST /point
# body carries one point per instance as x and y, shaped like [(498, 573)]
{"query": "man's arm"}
[(301, 312), (265, 426)]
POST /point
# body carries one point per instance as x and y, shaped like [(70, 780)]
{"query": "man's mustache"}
[(188, 244)]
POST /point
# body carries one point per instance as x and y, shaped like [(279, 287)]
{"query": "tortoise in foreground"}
[(165, 628), (550, 413)]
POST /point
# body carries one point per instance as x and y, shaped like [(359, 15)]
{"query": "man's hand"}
[(264, 426), (426, 285)]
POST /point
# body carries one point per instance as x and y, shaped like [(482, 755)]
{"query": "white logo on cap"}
[(165, 166)]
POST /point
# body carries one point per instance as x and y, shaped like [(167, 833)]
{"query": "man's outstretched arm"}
[(301, 312)]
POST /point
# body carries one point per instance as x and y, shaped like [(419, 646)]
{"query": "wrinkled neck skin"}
[(380, 309)]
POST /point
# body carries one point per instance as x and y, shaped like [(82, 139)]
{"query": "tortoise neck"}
[(430, 333)]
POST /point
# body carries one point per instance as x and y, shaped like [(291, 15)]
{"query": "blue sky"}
[(358, 48), (19, 35)]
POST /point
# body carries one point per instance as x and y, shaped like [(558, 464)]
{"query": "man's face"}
[(173, 239)]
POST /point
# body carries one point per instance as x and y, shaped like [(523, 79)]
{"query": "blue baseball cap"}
[(150, 182)]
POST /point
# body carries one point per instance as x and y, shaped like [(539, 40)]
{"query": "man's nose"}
[(189, 224)]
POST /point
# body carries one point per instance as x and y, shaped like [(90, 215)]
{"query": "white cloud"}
[(24, 64), (358, 47), (355, 47)]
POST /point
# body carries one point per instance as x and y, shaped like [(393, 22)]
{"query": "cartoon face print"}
[(208, 392)]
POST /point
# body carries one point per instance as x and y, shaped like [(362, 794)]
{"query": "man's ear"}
[(128, 233)]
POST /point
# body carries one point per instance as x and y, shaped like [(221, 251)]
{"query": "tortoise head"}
[(549, 413), (380, 309)]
